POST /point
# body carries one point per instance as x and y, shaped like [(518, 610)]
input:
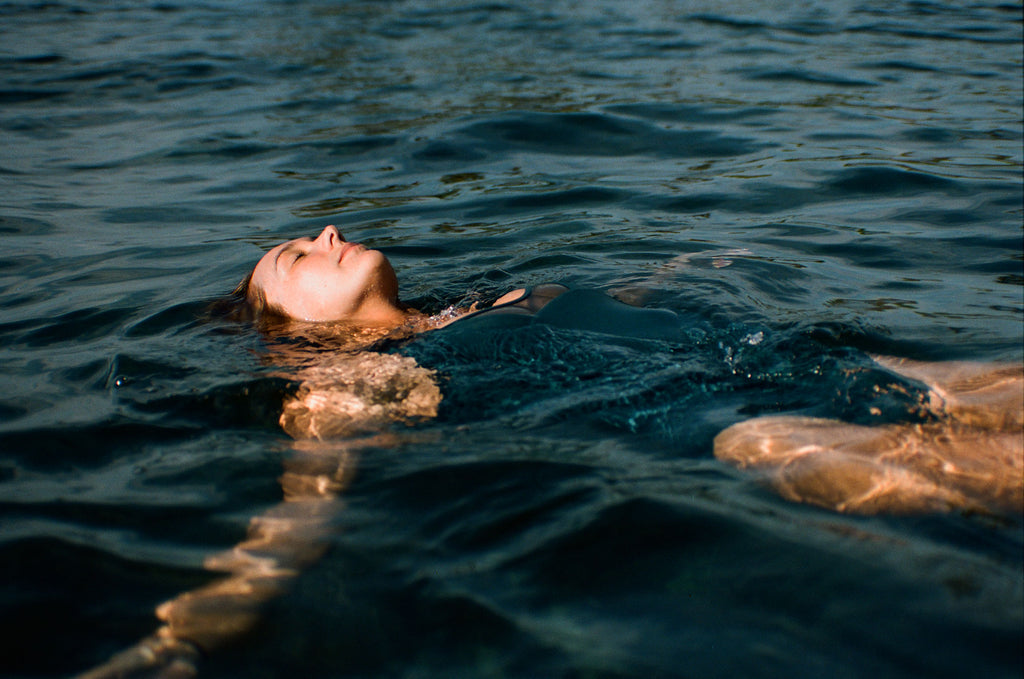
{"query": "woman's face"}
[(328, 279)]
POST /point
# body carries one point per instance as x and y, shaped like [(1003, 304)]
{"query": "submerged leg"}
[(984, 395), (971, 458)]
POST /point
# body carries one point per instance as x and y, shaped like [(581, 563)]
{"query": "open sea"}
[(804, 182)]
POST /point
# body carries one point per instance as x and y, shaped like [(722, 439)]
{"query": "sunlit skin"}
[(327, 279), (330, 279)]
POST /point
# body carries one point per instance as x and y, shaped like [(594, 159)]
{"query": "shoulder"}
[(513, 296)]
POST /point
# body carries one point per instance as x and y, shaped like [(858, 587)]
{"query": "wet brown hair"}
[(247, 302)]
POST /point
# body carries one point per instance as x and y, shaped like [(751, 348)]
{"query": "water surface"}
[(841, 178)]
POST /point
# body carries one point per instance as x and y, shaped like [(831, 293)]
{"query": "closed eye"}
[(296, 256)]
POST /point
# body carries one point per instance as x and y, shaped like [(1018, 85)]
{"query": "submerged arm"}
[(342, 406)]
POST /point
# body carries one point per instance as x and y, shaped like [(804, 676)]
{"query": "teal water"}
[(829, 180)]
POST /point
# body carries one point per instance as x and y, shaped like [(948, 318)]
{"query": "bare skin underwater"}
[(970, 458)]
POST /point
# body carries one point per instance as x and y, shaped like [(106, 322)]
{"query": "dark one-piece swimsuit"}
[(580, 309)]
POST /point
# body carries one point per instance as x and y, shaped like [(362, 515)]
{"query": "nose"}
[(329, 238)]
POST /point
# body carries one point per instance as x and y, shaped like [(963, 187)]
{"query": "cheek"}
[(306, 292), (329, 292), (358, 274), (341, 291)]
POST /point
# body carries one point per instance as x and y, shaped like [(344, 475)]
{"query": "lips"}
[(345, 249)]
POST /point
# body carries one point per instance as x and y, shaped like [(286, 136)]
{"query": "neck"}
[(386, 314)]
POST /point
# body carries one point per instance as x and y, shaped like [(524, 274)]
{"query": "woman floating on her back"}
[(968, 456)]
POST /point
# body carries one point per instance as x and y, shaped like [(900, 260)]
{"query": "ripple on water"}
[(803, 184)]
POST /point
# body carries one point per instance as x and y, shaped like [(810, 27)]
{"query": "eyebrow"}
[(290, 246)]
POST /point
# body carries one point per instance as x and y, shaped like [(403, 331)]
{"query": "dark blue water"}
[(842, 178)]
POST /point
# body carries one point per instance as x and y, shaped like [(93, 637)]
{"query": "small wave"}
[(806, 77), (890, 181), (594, 134)]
